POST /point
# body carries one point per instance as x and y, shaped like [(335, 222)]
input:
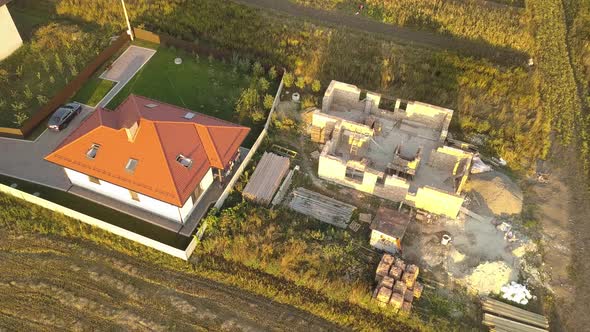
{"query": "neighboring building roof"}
[(390, 222), (163, 133)]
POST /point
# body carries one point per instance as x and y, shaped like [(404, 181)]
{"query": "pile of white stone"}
[(516, 292)]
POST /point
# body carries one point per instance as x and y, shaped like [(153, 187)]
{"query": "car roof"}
[(62, 111)]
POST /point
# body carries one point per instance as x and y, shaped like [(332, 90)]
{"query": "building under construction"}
[(398, 155)]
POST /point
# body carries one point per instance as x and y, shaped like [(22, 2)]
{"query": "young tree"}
[(268, 101), (257, 69), (300, 83), (288, 79), (316, 86), (247, 103), (263, 84), (272, 73)]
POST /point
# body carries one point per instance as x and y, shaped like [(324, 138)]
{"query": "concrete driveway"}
[(24, 159)]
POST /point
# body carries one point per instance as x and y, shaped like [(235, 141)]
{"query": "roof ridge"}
[(184, 108), (178, 196), (208, 143)]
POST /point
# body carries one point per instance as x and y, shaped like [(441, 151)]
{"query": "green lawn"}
[(93, 91), (202, 85)]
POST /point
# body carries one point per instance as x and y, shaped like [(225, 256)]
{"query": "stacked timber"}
[(397, 281), (322, 208), (321, 135), (266, 179), (500, 316)]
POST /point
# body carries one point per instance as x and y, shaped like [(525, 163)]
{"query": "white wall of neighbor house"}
[(10, 39), (147, 203), (383, 242)]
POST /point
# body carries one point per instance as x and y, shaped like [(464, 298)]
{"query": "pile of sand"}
[(494, 193), (489, 277)]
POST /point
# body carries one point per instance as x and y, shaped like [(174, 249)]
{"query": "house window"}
[(134, 195), (93, 179)]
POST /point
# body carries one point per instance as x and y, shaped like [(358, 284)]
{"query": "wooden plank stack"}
[(500, 316), (396, 284), (266, 179), (321, 207)]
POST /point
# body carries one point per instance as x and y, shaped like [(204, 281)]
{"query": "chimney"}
[(132, 131)]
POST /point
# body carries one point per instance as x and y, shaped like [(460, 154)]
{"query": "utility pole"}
[(129, 31)]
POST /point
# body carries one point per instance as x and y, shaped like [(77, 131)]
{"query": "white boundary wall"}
[(182, 254)]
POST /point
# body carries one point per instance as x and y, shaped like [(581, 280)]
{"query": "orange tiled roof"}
[(163, 133)]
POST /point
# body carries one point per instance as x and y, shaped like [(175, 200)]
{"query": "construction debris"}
[(489, 277), (354, 226), (267, 177), (365, 217), (284, 187), (500, 316), (396, 284), (321, 207), (478, 166), (516, 292)]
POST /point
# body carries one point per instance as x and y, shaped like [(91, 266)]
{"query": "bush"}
[(272, 73), (257, 69), (288, 79), (316, 86), (300, 83), (268, 101)]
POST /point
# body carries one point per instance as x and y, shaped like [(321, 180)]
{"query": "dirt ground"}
[(563, 207), (50, 284)]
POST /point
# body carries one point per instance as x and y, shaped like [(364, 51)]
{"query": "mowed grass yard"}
[(200, 84)]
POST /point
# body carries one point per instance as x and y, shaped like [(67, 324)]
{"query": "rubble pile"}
[(516, 292), (396, 284)]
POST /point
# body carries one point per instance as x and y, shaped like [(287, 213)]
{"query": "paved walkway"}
[(124, 68), (24, 159), (394, 33)]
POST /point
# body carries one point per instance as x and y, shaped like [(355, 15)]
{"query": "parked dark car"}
[(63, 116)]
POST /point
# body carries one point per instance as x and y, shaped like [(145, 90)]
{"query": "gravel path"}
[(394, 33)]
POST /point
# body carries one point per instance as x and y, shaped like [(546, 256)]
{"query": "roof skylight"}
[(184, 161), (152, 105), (91, 153), (131, 165), (189, 115)]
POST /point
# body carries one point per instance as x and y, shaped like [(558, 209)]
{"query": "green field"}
[(93, 91), (200, 84)]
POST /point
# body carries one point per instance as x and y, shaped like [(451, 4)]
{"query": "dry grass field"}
[(50, 283)]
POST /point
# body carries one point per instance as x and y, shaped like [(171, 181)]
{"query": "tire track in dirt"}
[(72, 281)]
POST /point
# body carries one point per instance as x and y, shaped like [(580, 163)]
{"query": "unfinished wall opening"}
[(354, 174)]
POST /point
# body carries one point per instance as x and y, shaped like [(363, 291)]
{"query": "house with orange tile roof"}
[(151, 155)]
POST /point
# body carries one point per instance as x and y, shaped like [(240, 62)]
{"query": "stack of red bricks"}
[(396, 284)]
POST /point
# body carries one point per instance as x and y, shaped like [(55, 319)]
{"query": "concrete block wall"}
[(10, 39), (438, 202)]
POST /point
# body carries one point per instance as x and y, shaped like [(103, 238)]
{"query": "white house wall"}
[(189, 206), (122, 194), (10, 39)]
